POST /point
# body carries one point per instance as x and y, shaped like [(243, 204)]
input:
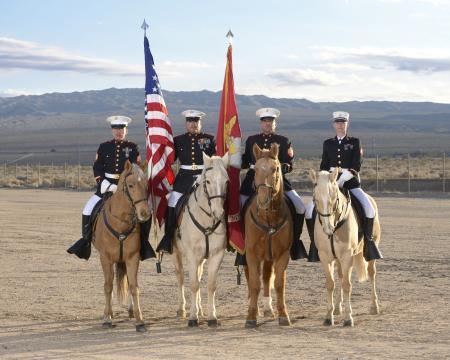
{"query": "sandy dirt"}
[(51, 303)]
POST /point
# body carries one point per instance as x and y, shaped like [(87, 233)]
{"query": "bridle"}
[(121, 236), (269, 229), (216, 222), (339, 219)]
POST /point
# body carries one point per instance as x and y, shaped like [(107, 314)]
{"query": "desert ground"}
[(52, 303)]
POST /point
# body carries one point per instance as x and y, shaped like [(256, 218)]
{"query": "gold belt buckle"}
[(194, 167)]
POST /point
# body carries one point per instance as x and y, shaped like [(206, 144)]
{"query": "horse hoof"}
[(181, 314), (328, 322), (374, 310), (348, 323), (213, 323), (250, 324), (269, 313), (107, 325), (193, 323), (141, 328), (284, 321)]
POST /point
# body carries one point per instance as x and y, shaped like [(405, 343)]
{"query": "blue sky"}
[(323, 50)]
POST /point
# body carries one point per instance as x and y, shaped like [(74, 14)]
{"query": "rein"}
[(122, 236), (342, 218), (205, 230)]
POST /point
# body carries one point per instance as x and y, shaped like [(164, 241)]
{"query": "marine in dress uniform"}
[(264, 140), (345, 152), (108, 165), (189, 148)]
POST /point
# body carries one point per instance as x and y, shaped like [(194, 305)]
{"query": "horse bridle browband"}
[(123, 235), (208, 230)]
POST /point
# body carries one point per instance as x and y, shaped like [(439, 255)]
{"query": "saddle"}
[(98, 208), (182, 202)]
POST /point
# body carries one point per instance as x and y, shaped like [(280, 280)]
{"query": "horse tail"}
[(361, 267), (122, 282)]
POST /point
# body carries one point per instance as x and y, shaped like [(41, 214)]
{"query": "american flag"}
[(159, 139)]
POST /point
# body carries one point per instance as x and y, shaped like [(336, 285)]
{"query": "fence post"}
[(52, 176), (5, 170), (65, 175), (39, 175), (16, 171), (409, 175), (443, 173), (26, 176), (376, 171), (79, 177)]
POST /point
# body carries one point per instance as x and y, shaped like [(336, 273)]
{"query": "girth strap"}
[(119, 236), (206, 231), (270, 230)]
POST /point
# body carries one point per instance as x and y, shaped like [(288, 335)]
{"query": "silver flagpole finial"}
[(144, 27), (229, 36)]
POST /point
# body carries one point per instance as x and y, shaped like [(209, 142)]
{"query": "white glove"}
[(107, 186), (345, 176)]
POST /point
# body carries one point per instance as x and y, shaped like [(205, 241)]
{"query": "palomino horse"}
[(336, 237), (268, 236), (117, 239), (202, 235)]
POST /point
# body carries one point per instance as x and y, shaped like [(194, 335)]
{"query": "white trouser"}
[(174, 197), (90, 204), (297, 201), (292, 195), (309, 210), (369, 210)]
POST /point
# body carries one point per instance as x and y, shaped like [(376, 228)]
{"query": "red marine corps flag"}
[(159, 139), (229, 139)]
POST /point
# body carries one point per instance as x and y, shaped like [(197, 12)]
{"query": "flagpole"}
[(145, 26)]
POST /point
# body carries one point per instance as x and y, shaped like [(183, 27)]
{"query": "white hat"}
[(268, 113), (193, 114), (341, 116), (119, 121)]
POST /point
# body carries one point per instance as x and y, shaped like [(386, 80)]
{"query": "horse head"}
[(268, 176), (214, 180), (325, 197), (134, 184)]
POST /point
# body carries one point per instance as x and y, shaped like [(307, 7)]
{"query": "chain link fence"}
[(402, 173)]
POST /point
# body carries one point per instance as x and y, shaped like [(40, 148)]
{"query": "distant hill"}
[(68, 122)]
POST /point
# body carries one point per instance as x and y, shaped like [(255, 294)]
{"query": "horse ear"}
[(127, 166), (313, 176), (226, 159), (274, 149), (144, 167), (334, 175), (256, 151), (206, 159)]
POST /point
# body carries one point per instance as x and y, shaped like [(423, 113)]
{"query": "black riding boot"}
[(313, 253), (298, 250), (166, 243), (146, 249), (371, 251), (82, 248), (240, 260)]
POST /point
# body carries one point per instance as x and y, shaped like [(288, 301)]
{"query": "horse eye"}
[(207, 181), (130, 186)]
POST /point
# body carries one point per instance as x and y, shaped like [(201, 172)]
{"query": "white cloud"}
[(302, 77), (14, 92), (403, 59), (19, 54)]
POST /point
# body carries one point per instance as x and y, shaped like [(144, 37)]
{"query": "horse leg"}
[(329, 275), (280, 266), (254, 285), (199, 298), (267, 284), (130, 306), (347, 265), (213, 268), (194, 283), (374, 308), (340, 298), (132, 273), (108, 273), (178, 264)]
